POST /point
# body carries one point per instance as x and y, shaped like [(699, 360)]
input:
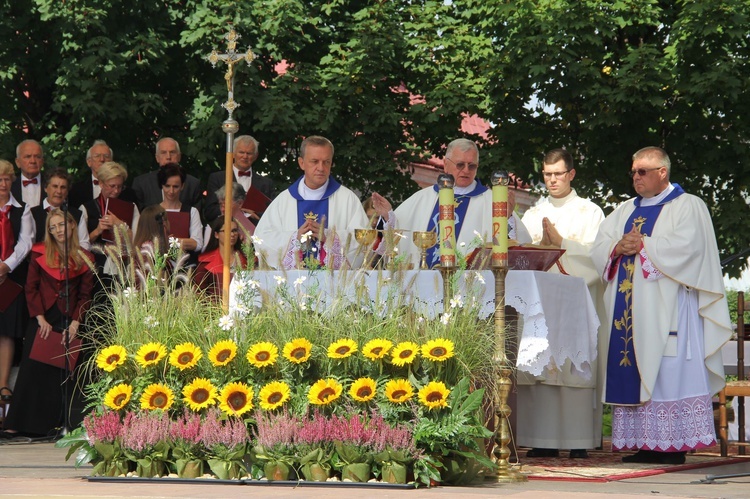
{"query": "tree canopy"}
[(389, 82)]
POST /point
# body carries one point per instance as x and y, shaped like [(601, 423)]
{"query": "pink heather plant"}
[(352, 431), (105, 428), (315, 431), (274, 431), (143, 432), (388, 437), (185, 435), (220, 437)]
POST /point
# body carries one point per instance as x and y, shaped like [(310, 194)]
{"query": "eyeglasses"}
[(557, 175), (55, 228), (101, 156), (642, 171), (462, 165)]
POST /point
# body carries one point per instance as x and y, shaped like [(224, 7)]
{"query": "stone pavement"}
[(39, 470)]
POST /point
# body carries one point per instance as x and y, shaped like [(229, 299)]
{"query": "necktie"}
[(245, 173), (27, 182), (7, 239), (95, 182)]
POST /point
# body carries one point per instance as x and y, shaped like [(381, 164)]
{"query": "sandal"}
[(6, 397)]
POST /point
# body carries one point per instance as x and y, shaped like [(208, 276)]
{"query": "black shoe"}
[(578, 454), (672, 457), (643, 456), (540, 452), (6, 394)]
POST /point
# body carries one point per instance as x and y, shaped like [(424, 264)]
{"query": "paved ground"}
[(40, 471)]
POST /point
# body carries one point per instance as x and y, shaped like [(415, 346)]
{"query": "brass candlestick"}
[(501, 452), (424, 240)]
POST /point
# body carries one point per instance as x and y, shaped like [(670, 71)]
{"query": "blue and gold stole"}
[(623, 379), (313, 209), (462, 204)]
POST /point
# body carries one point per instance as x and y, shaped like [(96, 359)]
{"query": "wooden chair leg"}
[(723, 426)]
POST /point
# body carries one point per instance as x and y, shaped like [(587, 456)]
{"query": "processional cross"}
[(230, 127)]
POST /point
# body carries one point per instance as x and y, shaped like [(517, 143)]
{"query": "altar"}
[(557, 319)]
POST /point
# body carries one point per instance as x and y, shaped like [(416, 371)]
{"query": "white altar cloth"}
[(556, 312)]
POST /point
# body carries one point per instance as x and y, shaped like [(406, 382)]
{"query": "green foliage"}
[(390, 82)]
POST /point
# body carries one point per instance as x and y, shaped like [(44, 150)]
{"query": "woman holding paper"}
[(39, 404), (16, 236), (190, 234), (208, 276)]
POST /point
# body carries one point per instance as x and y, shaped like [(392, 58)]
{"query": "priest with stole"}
[(667, 316), (311, 221)]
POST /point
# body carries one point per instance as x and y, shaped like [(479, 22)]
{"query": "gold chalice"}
[(424, 240), (365, 237)]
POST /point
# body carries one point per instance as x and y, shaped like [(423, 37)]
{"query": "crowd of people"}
[(651, 266)]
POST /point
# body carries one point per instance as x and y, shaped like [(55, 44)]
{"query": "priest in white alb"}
[(667, 314), (313, 221), (473, 209), (560, 408)]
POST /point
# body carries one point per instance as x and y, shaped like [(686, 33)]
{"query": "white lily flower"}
[(174, 243), (253, 284), (479, 277), (457, 301), (445, 318), (304, 237), (280, 279), (299, 280), (256, 240)]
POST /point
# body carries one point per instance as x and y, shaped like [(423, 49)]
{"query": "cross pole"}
[(230, 127)]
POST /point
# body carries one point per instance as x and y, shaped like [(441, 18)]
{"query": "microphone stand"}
[(66, 323)]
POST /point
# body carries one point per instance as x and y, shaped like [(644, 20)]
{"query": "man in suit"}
[(245, 153), (88, 188), (27, 187), (56, 184), (147, 188)]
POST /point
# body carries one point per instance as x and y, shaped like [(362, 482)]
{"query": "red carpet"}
[(605, 466)]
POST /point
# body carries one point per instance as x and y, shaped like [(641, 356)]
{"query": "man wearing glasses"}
[(473, 207), (563, 220), (667, 316)]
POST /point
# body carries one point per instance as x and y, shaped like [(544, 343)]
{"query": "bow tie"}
[(95, 182), (27, 182), (245, 173)]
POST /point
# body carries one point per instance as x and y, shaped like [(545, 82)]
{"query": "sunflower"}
[(273, 395), (342, 349), (404, 353), (376, 349), (236, 399), (298, 350), (363, 389), (438, 349), (324, 391), (118, 396), (157, 396), (222, 352), (111, 357), (263, 354), (185, 356), (150, 354), (398, 391), (199, 394), (434, 395)]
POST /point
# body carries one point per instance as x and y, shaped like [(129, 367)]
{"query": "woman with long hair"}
[(172, 181), (56, 266), (153, 226), (209, 274), (16, 238)]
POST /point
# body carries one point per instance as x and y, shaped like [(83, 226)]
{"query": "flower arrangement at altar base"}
[(166, 350)]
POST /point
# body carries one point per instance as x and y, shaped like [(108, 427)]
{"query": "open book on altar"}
[(256, 201), (179, 224), (528, 257)]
